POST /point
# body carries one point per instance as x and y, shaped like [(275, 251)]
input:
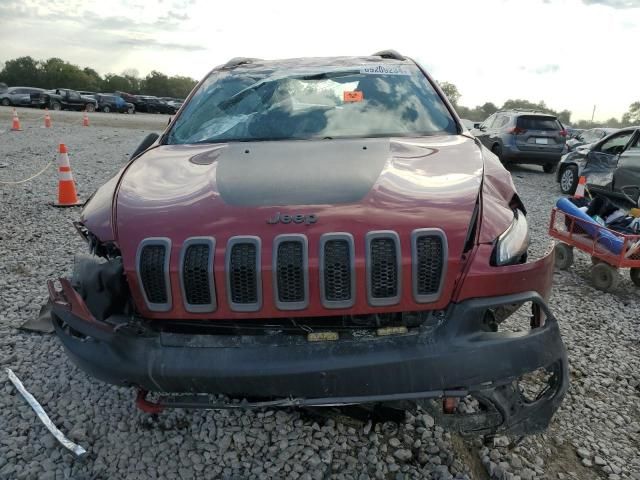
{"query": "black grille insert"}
[(383, 268), (290, 264), (195, 274), (337, 270), (243, 277), (152, 273), (430, 261)]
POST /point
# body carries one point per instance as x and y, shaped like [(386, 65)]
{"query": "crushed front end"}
[(449, 354)]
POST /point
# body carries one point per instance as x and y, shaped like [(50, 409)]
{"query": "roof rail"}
[(237, 61), (392, 54), (530, 110)]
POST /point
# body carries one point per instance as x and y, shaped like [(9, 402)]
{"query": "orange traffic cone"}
[(67, 195), (85, 119), (47, 118), (15, 125), (580, 188)]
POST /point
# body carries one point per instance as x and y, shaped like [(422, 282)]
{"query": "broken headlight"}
[(512, 245)]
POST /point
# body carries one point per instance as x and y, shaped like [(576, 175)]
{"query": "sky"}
[(573, 54)]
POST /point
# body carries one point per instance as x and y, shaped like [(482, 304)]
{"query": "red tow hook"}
[(145, 405), (449, 404)]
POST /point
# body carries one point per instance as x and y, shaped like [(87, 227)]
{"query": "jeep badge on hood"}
[(295, 218)]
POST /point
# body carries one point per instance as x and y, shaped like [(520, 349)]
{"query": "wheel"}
[(5, 102), (569, 180), (497, 151), (106, 109), (634, 273), (563, 255), (57, 106), (131, 111), (90, 107), (605, 277), (548, 168)]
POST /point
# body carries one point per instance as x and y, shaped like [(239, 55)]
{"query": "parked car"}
[(572, 132), (173, 102), (589, 136), (64, 99), (524, 136), (19, 96), (371, 255), (150, 104), (113, 103), (611, 166)]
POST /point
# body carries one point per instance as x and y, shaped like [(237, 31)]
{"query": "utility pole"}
[(593, 114)]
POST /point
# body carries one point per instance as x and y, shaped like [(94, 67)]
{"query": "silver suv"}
[(524, 136)]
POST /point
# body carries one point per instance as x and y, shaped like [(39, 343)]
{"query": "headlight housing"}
[(512, 245)]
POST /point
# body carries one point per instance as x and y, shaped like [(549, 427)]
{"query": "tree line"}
[(481, 112), (56, 73)]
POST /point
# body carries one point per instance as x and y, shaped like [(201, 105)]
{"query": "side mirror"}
[(146, 143), (477, 125)]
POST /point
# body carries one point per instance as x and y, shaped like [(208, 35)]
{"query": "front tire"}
[(605, 277), (563, 256), (57, 106), (90, 107), (569, 180), (106, 109), (5, 102)]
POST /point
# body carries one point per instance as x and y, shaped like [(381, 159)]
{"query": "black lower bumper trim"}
[(457, 358)]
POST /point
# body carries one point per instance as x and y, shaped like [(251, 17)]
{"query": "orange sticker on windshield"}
[(354, 96)]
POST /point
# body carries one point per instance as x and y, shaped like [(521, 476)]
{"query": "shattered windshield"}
[(311, 103)]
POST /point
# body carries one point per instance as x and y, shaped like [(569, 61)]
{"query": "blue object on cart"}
[(605, 238)]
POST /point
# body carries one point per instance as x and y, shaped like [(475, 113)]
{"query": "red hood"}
[(351, 186)]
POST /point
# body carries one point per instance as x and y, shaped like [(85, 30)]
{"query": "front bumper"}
[(454, 358)]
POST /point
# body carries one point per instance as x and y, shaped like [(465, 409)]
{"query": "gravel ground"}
[(595, 434)]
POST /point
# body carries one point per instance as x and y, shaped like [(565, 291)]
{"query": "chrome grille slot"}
[(290, 269), (198, 285), (243, 274), (429, 259), (383, 268), (152, 260)]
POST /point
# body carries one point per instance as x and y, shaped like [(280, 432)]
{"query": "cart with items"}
[(609, 249)]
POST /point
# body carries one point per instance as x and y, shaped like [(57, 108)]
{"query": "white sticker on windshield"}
[(384, 70)]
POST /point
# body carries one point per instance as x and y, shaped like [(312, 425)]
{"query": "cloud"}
[(621, 4), (152, 43), (541, 69)]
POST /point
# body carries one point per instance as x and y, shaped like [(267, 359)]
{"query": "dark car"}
[(150, 104), (113, 103), (589, 136), (611, 166), (313, 232), (19, 96), (523, 136), (173, 102), (64, 99), (127, 97)]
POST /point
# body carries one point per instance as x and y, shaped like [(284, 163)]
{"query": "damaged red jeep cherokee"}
[(315, 232)]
